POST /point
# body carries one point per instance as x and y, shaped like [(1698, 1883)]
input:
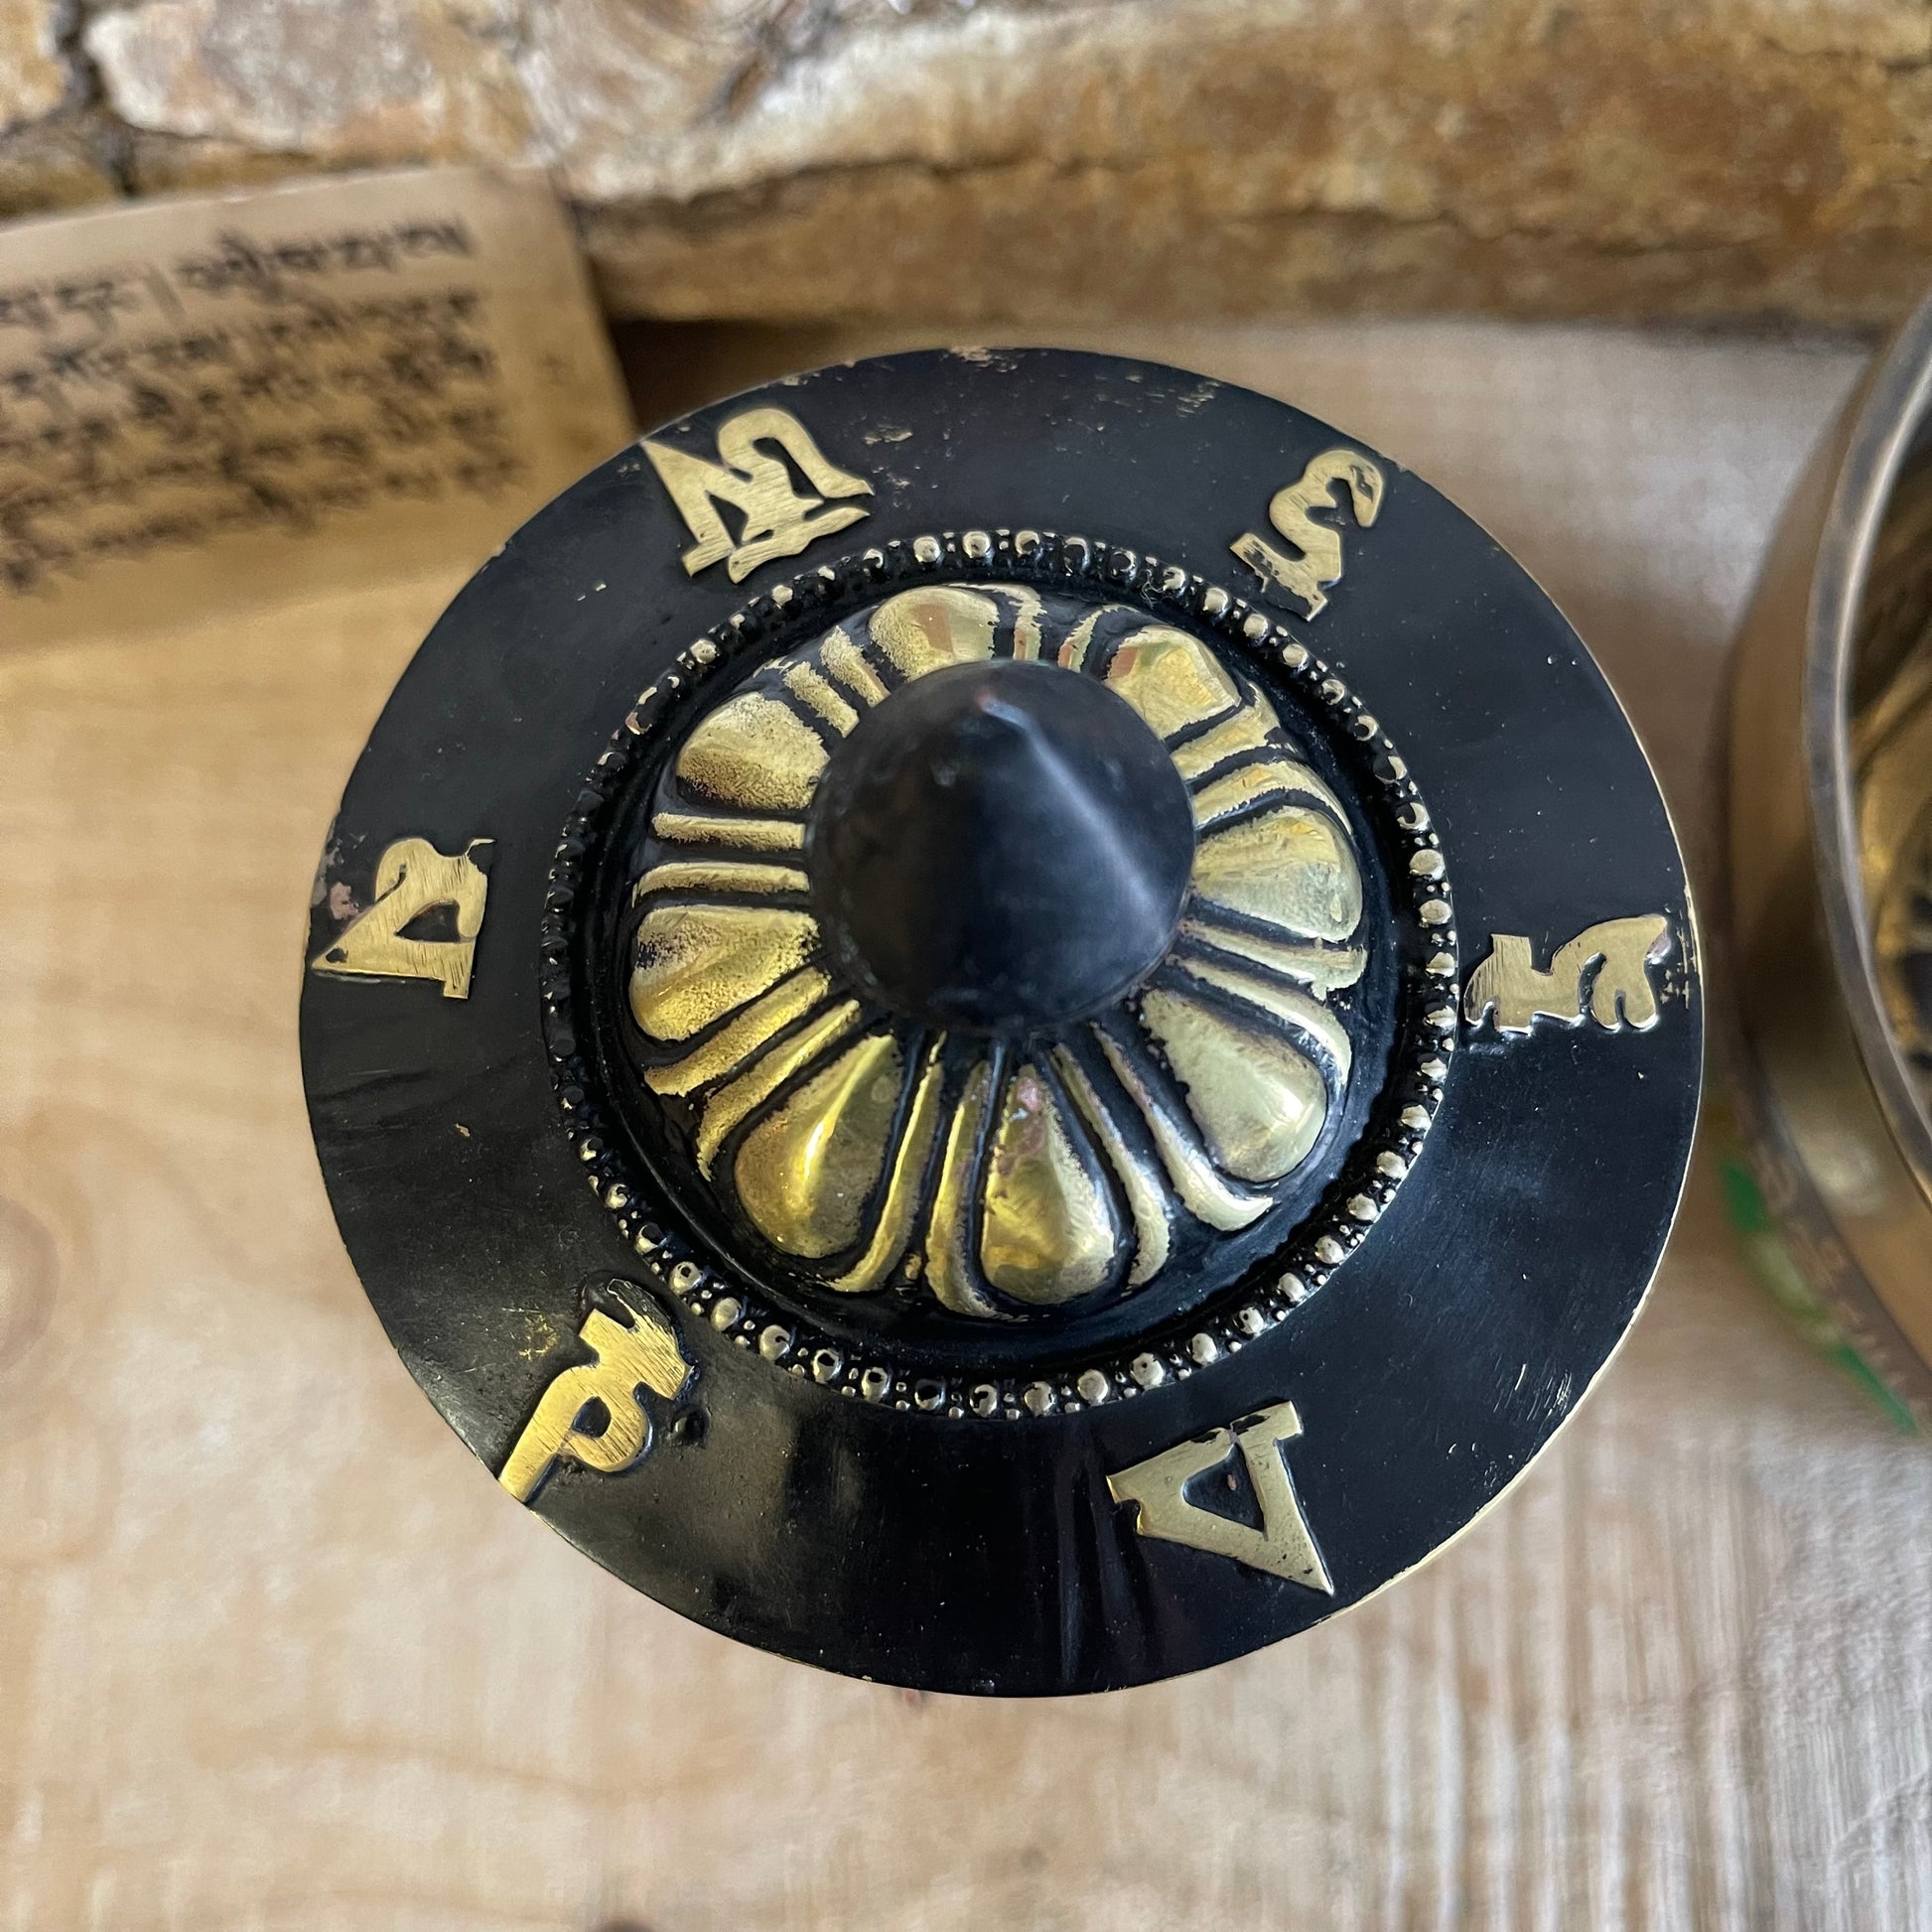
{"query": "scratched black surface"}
[(976, 1555)]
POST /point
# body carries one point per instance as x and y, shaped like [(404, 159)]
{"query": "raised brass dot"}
[(928, 550), (1149, 1371), (1203, 1348), (1435, 911), (726, 1311), (1426, 864), (1038, 1398), (1094, 1387)]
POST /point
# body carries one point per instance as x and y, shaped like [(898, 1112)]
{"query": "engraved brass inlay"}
[(1153, 1228), (1290, 867), (1259, 1102), (927, 629), (1247, 730), (755, 752), (1282, 1545), (806, 1170), (742, 1035), (948, 1270), (1172, 680), (778, 521), (1292, 513), (645, 1356), (736, 1102), (894, 1230), (412, 878), (1510, 985), (714, 828), (697, 963), (1006, 1178), (1048, 1234)]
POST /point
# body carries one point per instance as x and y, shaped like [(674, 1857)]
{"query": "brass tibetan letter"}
[(1510, 985), (645, 1356), (1292, 513), (777, 521), (413, 878), (1283, 1546)]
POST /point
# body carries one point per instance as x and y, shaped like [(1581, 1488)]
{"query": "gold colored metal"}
[(893, 1229), (1047, 1232), (776, 520), (1283, 1546), (645, 1356), (847, 662), (738, 1040), (1509, 985), (1260, 1102), (949, 1232), (928, 628), (1294, 1009), (1247, 730), (805, 1172), (1202, 1193), (1017, 1206), (697, 963), (412, 878), (1292, 513), (1249, 784), (719, 875), (753, 1088), (1292, 867), (714, 828), (1322, 969), (754, 753), (1153, 1227), (818, 696), (1172, 679)]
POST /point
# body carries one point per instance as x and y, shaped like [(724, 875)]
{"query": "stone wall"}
[(1032, 160)]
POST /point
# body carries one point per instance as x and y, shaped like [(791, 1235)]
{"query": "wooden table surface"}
[(275, 1653)]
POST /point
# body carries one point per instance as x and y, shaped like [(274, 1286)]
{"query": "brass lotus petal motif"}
[(1003, 1175)]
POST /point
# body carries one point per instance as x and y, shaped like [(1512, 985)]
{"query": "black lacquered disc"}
[(1007, 1022)]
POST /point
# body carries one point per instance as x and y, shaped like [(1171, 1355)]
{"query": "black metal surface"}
[(959, 1551)]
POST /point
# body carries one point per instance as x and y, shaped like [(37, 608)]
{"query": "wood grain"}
[(275, 1653)]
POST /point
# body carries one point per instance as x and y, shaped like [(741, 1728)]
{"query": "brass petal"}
[(805, 1172), (1248, 784), (903, 1191), (1048, 1233), (1170, 679), (755, 752), (1292, 867), (811, 690), (928, 628), (1323, 968), (1307, 1017), (697, 963), (714, 828), (1246, 730), (1203, 1194), (948, 1235), (847, 662), (738, 1039), (1257, 1098), (745, 1095), (1139, 1179)]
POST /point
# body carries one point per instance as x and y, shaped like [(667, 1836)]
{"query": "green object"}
[(1777, 1270)]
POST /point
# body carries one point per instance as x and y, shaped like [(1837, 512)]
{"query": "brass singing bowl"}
[(1836, 1114)]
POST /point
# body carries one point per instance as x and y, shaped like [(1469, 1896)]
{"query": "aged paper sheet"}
[(239, 400)]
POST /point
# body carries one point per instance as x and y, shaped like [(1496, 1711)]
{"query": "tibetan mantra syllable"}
[(1006, 1020)]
